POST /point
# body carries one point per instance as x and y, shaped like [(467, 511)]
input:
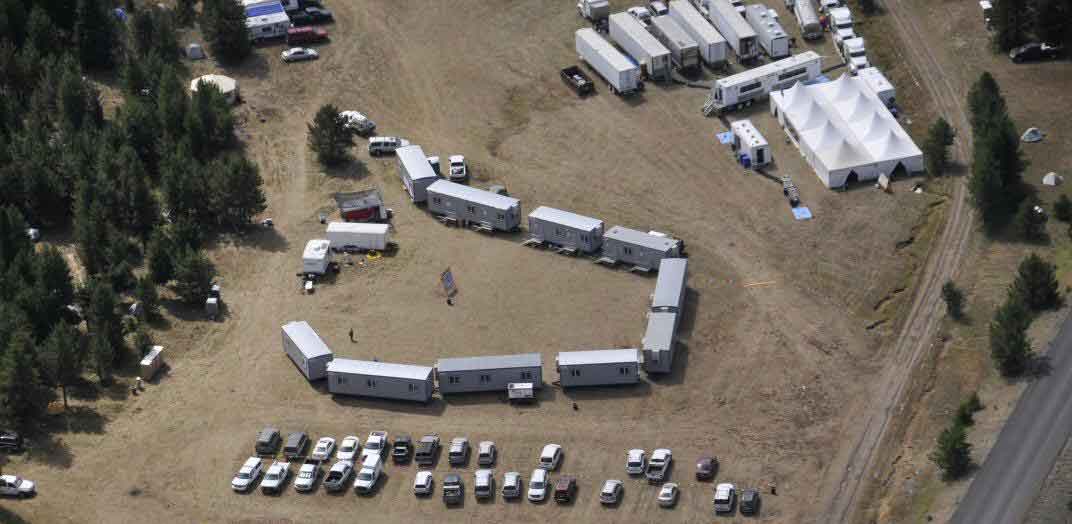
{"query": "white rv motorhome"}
[(742, 89)]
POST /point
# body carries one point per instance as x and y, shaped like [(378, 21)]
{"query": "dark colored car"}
[(1034, 51), (268, 441), (706, 468), (319, 15), (749, 503), (453, 490), (565, 488), (402, 448), (305, 35), (578, 81), (301, 18), (296, 444), (10, 441)]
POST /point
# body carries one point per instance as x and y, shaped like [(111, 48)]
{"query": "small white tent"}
[(227, 85), (1052, 179), (195, 52)]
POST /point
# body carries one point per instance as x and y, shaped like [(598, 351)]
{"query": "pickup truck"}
[(13, 486), (578, 81), (427, 449), (276, 477), (658, 465)]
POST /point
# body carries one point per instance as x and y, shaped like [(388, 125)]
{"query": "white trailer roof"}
[(798, 60), (303, 336), (267, 19), (767, 24), (416, 163), (379, 369), (316, 249), (640, 238), (748, 133), (524, 360), (472, 194), (874, 79), (566, 218), (639, 34), (616, 59), (696, 21), (598, 356), (358, 227), (669, 284), (660, 331), (732, 17), (673, 31)]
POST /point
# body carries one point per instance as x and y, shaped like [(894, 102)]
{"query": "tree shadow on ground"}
[(9, 517), (254, 236), (187, 312), (350, 168)]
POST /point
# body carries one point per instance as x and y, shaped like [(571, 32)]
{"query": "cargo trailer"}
[(711, 44), (657, 345), (415, 171), (740, 36), (600, 367), (361, 206), (642, 250), (566, 230), (770, 34), (751, 148), (490, 373), (631, 36), (358, 236), (306, 350), (470, 206), (807, 19), (684, 52), (621, 74), (742, 89), (316, 257), (366, 378)]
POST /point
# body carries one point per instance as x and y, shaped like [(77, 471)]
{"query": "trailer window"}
[(526, 375), (437, 200), (412, 388), (471, 209), (750, 87), (501, 216), (627, 250), (792, 73), (371, 383), (454, 380), (484, 379)]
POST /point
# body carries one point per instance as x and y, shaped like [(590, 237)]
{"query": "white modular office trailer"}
[(565, 229), (491, 373), (658, 343), (316, 257), (642, 250), (368, 378), (601, 367), (415, 172), (306, 350), (472, 206), (631, 36), (711, 44), (669, 295)]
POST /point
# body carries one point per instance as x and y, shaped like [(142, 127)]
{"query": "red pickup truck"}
[(306, 35)]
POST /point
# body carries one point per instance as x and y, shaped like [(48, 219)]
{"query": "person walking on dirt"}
[(351, 334)]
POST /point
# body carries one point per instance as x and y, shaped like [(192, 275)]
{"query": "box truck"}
[(710, 43), (622, 75), (630, 34), (684, 51)]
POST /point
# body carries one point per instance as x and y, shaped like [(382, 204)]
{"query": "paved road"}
[(1027, 447)]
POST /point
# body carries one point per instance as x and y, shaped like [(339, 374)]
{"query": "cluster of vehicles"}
[(302, 30), (14, 485), (361, 466)]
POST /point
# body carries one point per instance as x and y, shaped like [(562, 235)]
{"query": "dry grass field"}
[(766, 379)]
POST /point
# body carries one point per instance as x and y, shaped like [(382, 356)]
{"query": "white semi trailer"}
[(711, 44), (807, 18), (772, 38), (634, 38), (622, 74), (683, 49), (742, 89), (728, 20)]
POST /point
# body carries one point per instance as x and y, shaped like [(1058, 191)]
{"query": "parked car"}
[(459, 169), (423, 483), (427, 449), (565, 488), (511, 488), (538, 485), (305, 35), (486, 453), (349, 448), (402, 448), (1034, 51), (385, 145), (276, 477), (338, 475), (358, 122), (300, 18), (267, 441), (668, 495), (10, 440), (458, 454), (657, 8), (706, 468), (550, 457), (298, 54), (296, 444), (374, 444), (749, 502), (484, 483), (370, 472), (635, 462), (13, 486), (324, 448), (658, 465), (433, 162), (642, 14), (611, 492), (247, 474), (453, 490), (319, 15), (307, 475), (725, 496)]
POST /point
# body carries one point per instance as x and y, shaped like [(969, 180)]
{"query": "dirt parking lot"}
[(776, 347)]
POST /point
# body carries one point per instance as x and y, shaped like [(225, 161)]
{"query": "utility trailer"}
[(711, 44), (621, 74), (362, 206), (358, 236), (634, 38), (742, 89), (684, 51), (316, 257), (807, 18), (770, 34), (741, 37), (578, 81)]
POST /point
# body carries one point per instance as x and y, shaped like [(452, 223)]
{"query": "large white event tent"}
[(845, 132)]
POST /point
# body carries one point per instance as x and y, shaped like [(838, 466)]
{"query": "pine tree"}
[(209, 123), (193, 276), (146, 295), (329, 136), (965, 416), (21, 397), (1030, 221), (143, 340), (987, 190), (1062, 209), (984, 101), (171, 105), (103, 357), (954, 300), (41, 33), (236, 189), (998, 164), (1036, 283), (224, 25), (13, 239), (1008, 23), (953, 453), (1052, 23), (105, 324), (161, 263), (936, 147), (96, 34), (63, 358), (1009, 345)]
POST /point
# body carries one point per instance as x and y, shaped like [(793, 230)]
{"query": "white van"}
[(370, 472), (385, 145)]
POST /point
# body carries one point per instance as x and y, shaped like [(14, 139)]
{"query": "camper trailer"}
[(566, 230), (751, 148), (622, 75), (306, 350), (266, 20), (470, 206), (601, 367), (361, 206), (770, 34), (807, 19), (415, 172), (742, 89), (358, 236), (684, 51), (316, 257), (368, 378), (741, 37), (711, 44), (491, 373), (642, 250), (630, 35)]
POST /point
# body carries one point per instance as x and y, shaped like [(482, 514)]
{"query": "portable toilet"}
[(212, 307), (751, 148), (151, 362)]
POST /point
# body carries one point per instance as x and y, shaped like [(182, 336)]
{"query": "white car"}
[(486, 453), (324, 448), (422, 485), (642, 14), (511, 487), (668, 495), (484, 483), (247, 475), (307, 475), (635, 461), (538, 485), (349, 448), (298, 54), (550, 457), (374, 444), (358, 122), (385, 145), (725, 495), (276, 477), (658, 465), (338, 475), (459, 169), (13, 486), (458, 453), (611, 492)]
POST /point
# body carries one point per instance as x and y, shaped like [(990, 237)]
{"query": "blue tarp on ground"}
[(801, 213), (263, 9), (724, 138)]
